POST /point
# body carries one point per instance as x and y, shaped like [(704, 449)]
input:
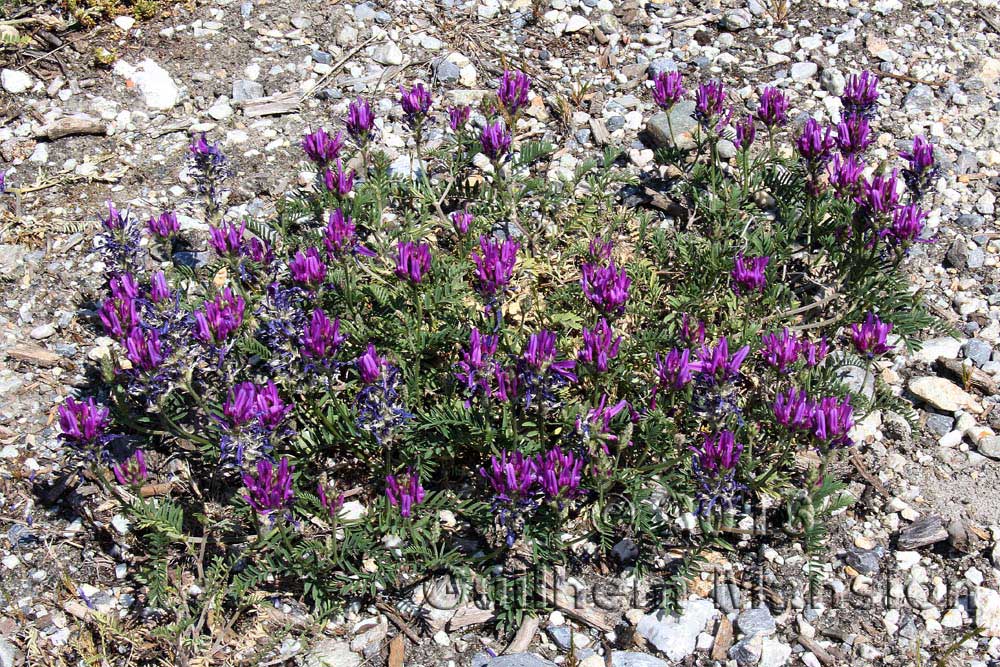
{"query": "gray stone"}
[(43, 331), (681, 120), (933, 348), (364, 11), (194, 260), (736, 19), (245, 90), (978, 350), (331, 653), (919, 98), (857, 380), (756, 621), (747, 651), (561, 635), (727, 149), (677, 636), (519, 660), (9, 655), (895, 427), (990, 446), (774, 653), (865, 561), (970, 220), (322, 57), (833, 81), (625, 551), (405, 167), (660, 65), (447, 71), (804, 70), (628, 659), (720, 593), (387, 53)]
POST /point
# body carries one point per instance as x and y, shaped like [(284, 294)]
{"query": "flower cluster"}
[(748, 274), (784, 349), (714, 466), (270, 489), (605, 286), (404, 492), (828, 420)]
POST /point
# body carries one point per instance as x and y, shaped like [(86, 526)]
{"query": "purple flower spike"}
[(748, 274), (668, 89), (869, 337), (513, 91), (159, 290), (83, 423), (773, 108), (605, 286), (879, 196), (794, 411), (746, 131), (599, 346), (815, 142), (845, 176), (339, 181), (719, 453), (495, 140), (143, 348), (331, 505), (511, 475), (340, 237), (133, 471), (814, 353), (495, 264), (219, 318), (907, 226), (833, 421), (227, 239), (458, 117), (269, 406), (119, 313), (270, 490), (461, 221), (260, 252), (673, 372), (861, 94), (921, 167), (370, 365), (540, 355), (322, 338), (416, 103), (413, 261), (321, 148), (476, 365), (781, 350), (164, 225), (559, 474), (360, 120), (709, 105), (715, 363), (240, 406), (404, 492), (115, 220), (308, 268), (854, 135)]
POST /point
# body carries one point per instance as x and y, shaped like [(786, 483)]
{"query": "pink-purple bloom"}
[(322, 337), (540, 356), (710, 100), (475, 368), (413, 260), (880, 195), (404, 492), (854, 135), (719, 453), (339, 180), (458, 117), (748, 273), (271, 409), (781, 350), (144, 348), (605, 286), (494, 264), (159, 290), (495, 140), (513, 91), (907, 225), (600, 346), (83, 422), (360, 120), (321, 148), (219, 318), (673, 372), (115, 220), (164, 225), (132, 471), (227, 239), (668, 89), (461, 221), (746, 131), (416, 102), (815, 142), (308, 268), (829, 420), (331, 505), (845, 175), (370, 365), (921, 167), (716, 364), (340, 237), (860, 94), (270, 489), (870, 337), (773, 108)]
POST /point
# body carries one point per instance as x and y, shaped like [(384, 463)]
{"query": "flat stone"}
[(34, 354), (922, 532), (990, 446), (977, 350), (155, 83), (576, 23), (519, 660), (857, 380), (941, 393), (804, 70), (736, 19), (561, 635), (681, 120), (933, 348), (677, 636), (245, 90), (920, 98), (629, 659), (331, 653), (387, 53), (756, 621), (43, 331), (865, 561), (774, 653), (748, 651)]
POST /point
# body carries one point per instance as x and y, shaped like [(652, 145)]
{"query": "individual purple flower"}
[(668, 89), (227, 239), (219, 318), (240, 406), (597, 425), (605, 286), (794, 410), (461, 221), (475, 368), (844, 174), (331, 505), (119, 313), (308, 268), (673, 372), (338, 180), (833, 421), (749, 274), (854, 135), (321, 148), (322, 338), (709, 105), (860, 94), (715, 364), (513, 91), (494, 264), (907, 225), (781, 350), (869, 337), (132, 471), (413, 260), (540, 354), (159, 290), (921, 167), (719, 453), (270, 490), (692, 335), (512, 476), (416, 103), (559, 474), (600, 346), (746, 131), (404, 492), (815, 143), (773, 108), (508, 384), (360, 120), (269, 406), (539, 374), (370, 365), (164, 225), (458, 117), (495, 140), (340, 237), (260, 251), (144, 348), (814, 353), (879, 196), (115, 220), (83, 422)]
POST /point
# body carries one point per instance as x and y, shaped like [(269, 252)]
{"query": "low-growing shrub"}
[(472, 366)]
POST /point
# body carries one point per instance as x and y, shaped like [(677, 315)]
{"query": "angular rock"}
[(922, 532), (737, 19), (33, 354), (990, 446), (15, 81), (865, 561), (331, 653), (681, 120), (245, 90), (774, 653), (756, 621), (940, 393), (519, 660), (576, 23), (988, 611), (387, 53), (747, 651), (677, 636), (628, 659), (804, 70), (157, 87), (920, 98)]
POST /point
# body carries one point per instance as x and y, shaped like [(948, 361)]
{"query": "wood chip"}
[(978, 379), (33, 354), (471, 615), (72, 125), (396, 649), (600, 132), (274, 105), (821, 653), (723, 639)]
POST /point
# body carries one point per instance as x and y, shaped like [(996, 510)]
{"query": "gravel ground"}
[(915, 558)]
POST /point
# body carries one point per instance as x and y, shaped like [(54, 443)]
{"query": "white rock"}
[(14, 81), (388, 54), (775, 653), (125, 22), (677, 636), (941, 393), (988, 611), (158, 90), (576, 23), (939, 347)]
